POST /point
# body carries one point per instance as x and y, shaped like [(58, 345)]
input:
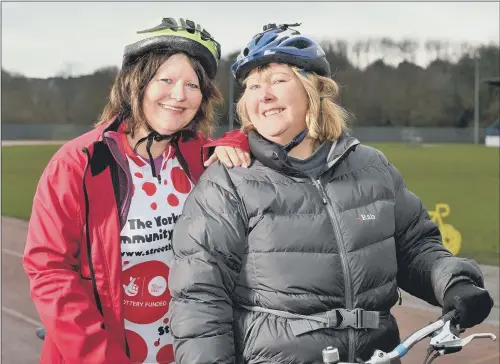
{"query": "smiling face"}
[(276, 102), (173, 96)]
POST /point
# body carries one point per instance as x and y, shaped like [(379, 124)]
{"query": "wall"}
[(365, 134)]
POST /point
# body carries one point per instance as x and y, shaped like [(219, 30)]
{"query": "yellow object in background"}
[(452, 239)]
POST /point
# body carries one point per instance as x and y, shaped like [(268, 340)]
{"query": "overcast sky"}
[(41, 38)]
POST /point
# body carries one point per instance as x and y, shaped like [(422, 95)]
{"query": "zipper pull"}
[(322, 190), (324, 198)]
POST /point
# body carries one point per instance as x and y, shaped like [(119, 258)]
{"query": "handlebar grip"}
[(452, 316)]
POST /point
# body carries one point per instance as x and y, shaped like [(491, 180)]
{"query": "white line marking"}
[(21, 316), (13, 253)]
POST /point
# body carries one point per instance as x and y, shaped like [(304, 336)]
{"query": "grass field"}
[(466, 177)]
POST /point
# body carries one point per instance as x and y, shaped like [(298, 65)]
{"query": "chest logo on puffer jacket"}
[(366, 217)]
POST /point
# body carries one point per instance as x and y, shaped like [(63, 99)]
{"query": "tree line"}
[(381, 85)]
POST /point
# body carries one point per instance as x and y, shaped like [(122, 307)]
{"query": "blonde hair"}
[(127, 94), (325, 119)]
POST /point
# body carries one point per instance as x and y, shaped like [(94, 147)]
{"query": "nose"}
[(178, 92), (266, 94)]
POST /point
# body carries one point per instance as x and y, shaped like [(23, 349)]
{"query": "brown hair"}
[(127, 94), (325, 119)]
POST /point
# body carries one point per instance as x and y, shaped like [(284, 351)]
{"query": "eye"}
[(253, 87), (193, 86), (168, 81), (278, 81)]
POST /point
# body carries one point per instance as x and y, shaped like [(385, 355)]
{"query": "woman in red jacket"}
[(99, 242)]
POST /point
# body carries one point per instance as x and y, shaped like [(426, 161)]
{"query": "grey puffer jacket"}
[(268, 237)]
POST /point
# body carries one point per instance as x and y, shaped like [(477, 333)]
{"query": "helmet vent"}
[(272, 39), (282, 40), (169, 21), (299, 43), (258, 38), (205, 35), (245, 51), (190, 26)]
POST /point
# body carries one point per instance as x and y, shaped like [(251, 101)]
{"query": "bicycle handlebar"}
[(445, 339)]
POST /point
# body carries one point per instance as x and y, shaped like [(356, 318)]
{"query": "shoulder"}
[(72, 155), (218, 175), (366, 157), (375, 157), (366, 154)]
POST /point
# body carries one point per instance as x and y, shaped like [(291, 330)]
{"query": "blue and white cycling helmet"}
[(280, 44)]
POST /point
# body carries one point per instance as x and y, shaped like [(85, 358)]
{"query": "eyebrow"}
[(161, 75), (266, 74), (281, 73)]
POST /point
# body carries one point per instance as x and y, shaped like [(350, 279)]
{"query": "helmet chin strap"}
[(299, 137), (296, 141), (151, 137)]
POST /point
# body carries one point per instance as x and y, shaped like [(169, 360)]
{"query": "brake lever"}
[(447, 342), (482, 335)]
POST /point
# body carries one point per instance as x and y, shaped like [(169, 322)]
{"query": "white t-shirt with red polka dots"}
[(146, 248)]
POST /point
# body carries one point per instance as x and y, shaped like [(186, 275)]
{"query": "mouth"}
[(172, 108), (272, 112)]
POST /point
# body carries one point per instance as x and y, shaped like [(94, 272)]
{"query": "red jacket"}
[(80, 205)]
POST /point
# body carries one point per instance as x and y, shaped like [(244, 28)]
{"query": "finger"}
[(224, 157), (241, 157), (233, 155), (248, 158), (209, 161)]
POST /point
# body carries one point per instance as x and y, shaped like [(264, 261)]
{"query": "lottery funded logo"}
[(146, 294)]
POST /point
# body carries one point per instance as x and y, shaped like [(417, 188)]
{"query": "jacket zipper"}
[(348, 284), (345, 268), (332, 212), (87, 232), (125, 206), (87, 238)]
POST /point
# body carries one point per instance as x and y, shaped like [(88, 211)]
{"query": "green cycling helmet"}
[(177, 34)]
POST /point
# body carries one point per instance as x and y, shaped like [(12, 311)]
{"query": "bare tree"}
[(434, 47), (408, 49), (467, 49), (67, 70), (446, 50), (356, 49), (367, 47), (341, 46), (386, 47)]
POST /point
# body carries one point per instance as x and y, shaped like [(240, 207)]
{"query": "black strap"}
[(152, 136), (300, 137), (180, 157), (296, 141), (186, 134)]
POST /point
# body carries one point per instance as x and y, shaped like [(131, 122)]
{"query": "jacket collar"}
[(114, 126), (189, 146), (273, 156)]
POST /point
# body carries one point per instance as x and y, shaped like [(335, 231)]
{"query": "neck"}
[(157, 148), (305, 149)]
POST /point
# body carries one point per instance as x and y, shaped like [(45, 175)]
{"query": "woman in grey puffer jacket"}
[(307, 247)]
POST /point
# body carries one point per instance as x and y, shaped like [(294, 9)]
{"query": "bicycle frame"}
[(445, 339)]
